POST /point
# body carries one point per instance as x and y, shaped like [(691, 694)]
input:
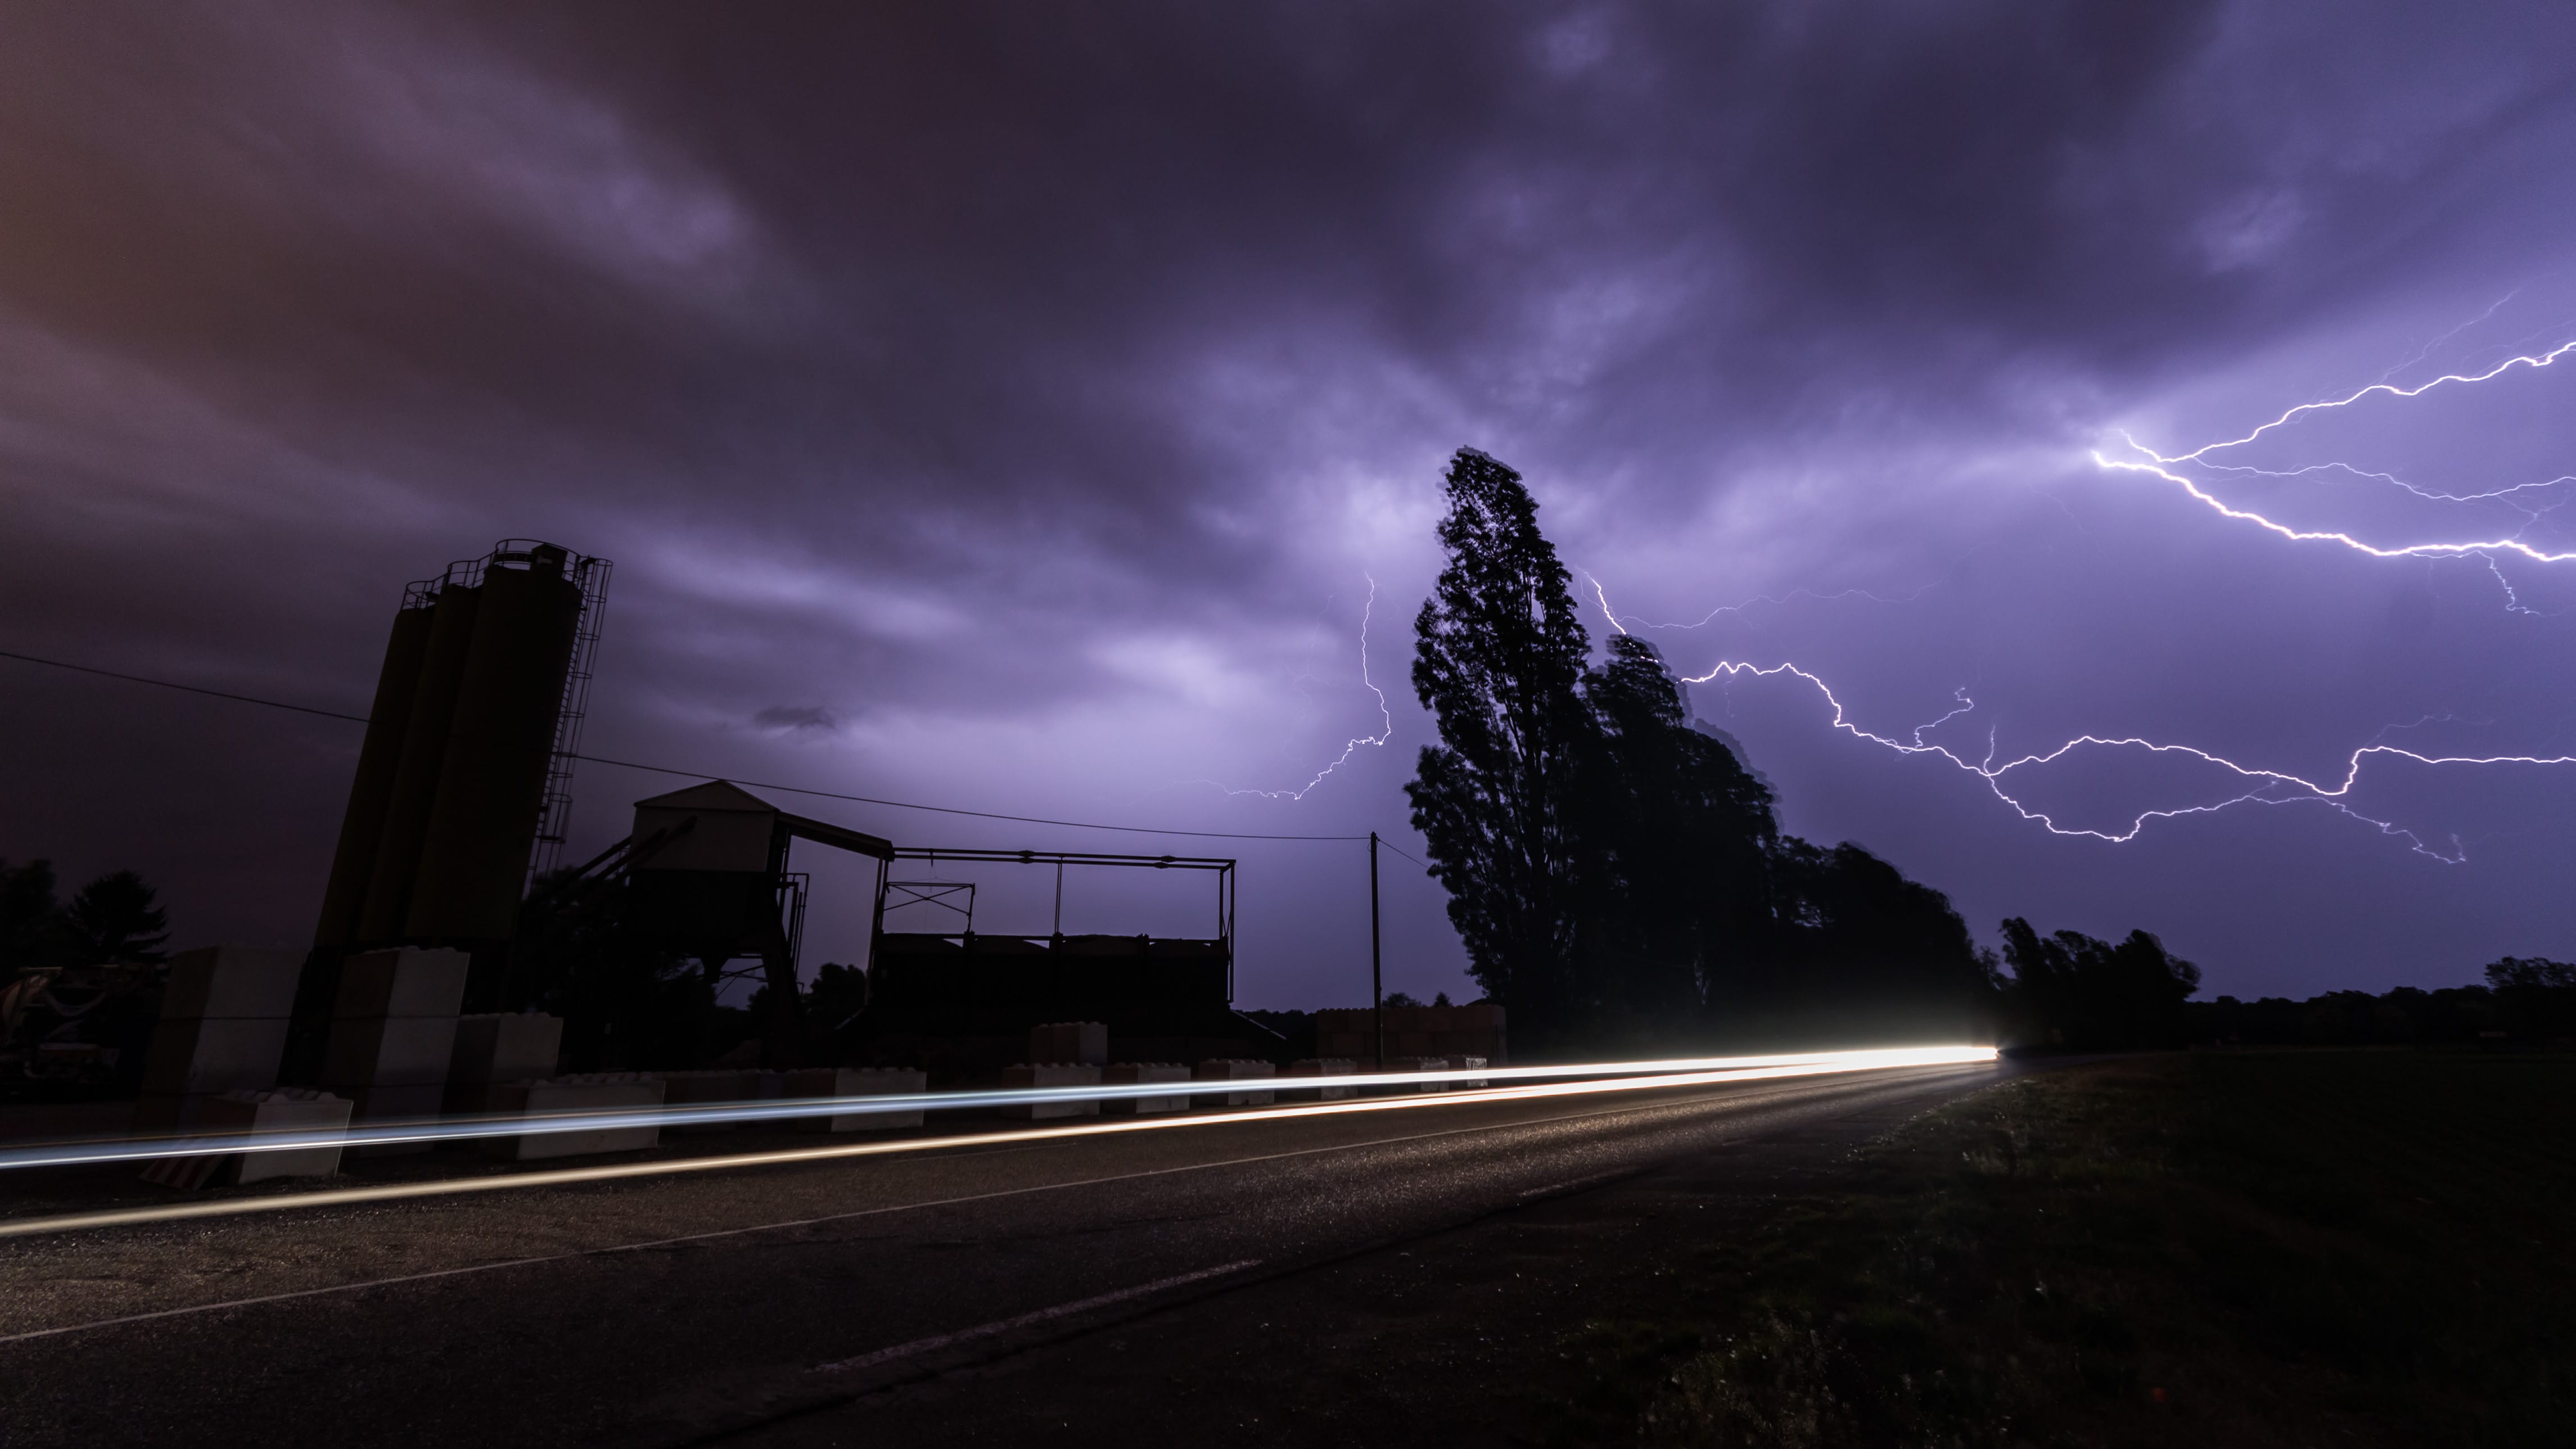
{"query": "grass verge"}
[(2250, 1248)]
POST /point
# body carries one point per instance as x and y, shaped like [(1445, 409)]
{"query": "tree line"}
[(2527, 1001), (116, 918), (1617, 871)]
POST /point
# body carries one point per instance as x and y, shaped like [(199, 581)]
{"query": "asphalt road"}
[(1373, 1277)]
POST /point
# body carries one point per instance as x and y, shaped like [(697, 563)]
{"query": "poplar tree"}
[(1498, 658), (1675, 837)]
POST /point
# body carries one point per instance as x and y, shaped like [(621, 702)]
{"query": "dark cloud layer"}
[(1016, 406)]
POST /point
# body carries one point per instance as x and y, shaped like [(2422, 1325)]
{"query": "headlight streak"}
[(1817, 1064), (1622, 1076), (2262, 786)]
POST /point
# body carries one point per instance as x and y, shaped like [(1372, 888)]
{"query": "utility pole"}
[(1377, 984)]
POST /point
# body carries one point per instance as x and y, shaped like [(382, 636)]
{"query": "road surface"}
[(1365, 1278)]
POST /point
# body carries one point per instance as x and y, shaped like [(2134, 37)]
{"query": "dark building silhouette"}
[(462, 781)]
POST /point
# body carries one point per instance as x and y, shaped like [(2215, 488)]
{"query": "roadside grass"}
[(2226, 1248)]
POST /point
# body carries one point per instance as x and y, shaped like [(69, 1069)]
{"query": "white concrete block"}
[(287, 1109), (858, 1082), (1135, 1072), (1232, 1069), (1324, 1067), (586, 1092), (1408, 1065), (1457, 1063), (1052, 1074)]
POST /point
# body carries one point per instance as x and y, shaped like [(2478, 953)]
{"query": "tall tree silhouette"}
[(2076, 990), (1499, 653), (1674, 836), (1859, 938)]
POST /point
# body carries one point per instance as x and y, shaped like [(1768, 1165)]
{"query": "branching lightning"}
[(2261, 786), (1350, 747), (2163, 465), (1620, 622)]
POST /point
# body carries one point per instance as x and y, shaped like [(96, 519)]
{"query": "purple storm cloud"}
[(1024, 408)]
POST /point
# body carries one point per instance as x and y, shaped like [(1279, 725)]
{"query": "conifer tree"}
[(1499, 654)]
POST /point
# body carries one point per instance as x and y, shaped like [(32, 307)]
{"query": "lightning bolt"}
[(2164, 465), (1620, 622), (2535, 362), (2484, 546), (2261, 786), (1350, 747)]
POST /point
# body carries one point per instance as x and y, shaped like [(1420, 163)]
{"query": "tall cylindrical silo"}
[(371, 791), (409, 804), (491, 785)]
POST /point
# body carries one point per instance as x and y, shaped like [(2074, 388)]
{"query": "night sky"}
[(1017, 407)]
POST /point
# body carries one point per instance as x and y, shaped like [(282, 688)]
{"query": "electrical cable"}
[(1391, 845), (190, 688), (701, 774)]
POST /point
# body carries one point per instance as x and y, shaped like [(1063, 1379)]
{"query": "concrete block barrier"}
[(1235, 1069), (286, 1109), (1140, 1072), (1052, 1074), (1322, 1067), (1458, 1063), (1416, 1064), (224, 1017), (282, 1109), (583, 1092), (858, 1082), (393, 1033)]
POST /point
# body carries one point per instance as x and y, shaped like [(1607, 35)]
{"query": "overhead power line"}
[(695, 774), (190, 688)]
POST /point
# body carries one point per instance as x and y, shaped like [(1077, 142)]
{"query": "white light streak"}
[(1601, 1077)]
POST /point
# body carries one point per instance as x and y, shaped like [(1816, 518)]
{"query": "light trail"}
[(1740, 1069), (430, 1130)]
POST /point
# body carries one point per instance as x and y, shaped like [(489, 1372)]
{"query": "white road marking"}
[(1005, 1325), (1569, 1186)]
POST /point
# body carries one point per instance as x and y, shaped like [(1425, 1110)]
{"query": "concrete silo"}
[(371, 793), (463, 780)]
